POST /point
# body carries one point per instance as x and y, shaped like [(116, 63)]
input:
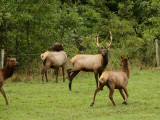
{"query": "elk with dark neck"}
[(94, 63), (6, 73)]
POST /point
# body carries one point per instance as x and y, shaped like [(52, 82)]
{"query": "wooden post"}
[(157, 56), (2, 58)]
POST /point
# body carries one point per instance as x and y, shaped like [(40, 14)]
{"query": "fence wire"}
[(33, 62)]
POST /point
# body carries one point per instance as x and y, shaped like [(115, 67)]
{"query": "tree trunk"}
[(157, 57), (16, 45), (28, 46), (6, 35)]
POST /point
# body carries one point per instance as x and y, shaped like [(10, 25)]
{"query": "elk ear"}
[(128, 58), (121, 57)]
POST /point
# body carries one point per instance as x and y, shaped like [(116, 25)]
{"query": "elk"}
[(6, 73), (54, 60), (89, 63), (115, 80), (57, 47)]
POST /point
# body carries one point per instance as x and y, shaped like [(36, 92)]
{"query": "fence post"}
[(2, 58), (157, 56)]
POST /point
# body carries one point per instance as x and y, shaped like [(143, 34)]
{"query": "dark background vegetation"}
[(30, 27)]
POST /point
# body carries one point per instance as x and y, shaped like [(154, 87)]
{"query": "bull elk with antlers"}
[(89, 63)]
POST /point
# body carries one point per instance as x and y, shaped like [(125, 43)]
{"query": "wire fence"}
[(32, 63)]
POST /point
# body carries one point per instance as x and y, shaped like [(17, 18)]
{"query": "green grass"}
[(31, 100)]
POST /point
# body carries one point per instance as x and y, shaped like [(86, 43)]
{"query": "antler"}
[(110, 38), (97, 41)]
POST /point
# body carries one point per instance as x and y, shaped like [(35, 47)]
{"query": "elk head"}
[(124, 62), (12, 62), (104, 50), (57, 47)]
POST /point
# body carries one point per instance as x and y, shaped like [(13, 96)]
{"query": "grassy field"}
[(31, 100)]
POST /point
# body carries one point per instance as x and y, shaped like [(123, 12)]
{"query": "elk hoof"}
[(91, 105), (124, 103), (70, 87)]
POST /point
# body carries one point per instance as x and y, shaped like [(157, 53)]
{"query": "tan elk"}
[(86, 62), (115, 80), (6, 73), (57, 47), (54, 60)]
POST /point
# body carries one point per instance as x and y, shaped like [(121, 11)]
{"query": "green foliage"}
[(32, 27)]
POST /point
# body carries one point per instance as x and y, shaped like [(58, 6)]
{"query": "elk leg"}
[(57, 71), (68, 72), (100, 73), (71, 78), (63, 67), (96, 77), (46, 76), (125, 90), (97, 90), (4, 95), (121, 91), (45, 73), (44, 70), (111, 96)]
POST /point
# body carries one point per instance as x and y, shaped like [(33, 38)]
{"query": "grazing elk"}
[(54, 60), (93, 63), (115, 80), (6, 73)]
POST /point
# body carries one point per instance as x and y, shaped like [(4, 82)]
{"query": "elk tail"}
[(73, 59), (104, 77)]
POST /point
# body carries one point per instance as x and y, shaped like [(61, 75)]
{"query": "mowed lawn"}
[(31, 100)]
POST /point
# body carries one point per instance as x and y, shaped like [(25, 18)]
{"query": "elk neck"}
[(126, 69), (105, 60), (8, 71)]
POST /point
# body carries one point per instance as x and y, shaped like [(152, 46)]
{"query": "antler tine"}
[(97, 41), (110, 38)]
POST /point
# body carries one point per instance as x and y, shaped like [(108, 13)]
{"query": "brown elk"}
[(6, 73), (57, 47), (93, 63), (115, 80), (54, 60)]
